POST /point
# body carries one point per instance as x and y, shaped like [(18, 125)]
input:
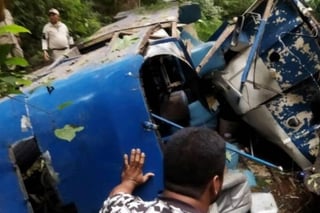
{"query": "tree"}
[(33, 15), (10, 79), (85, 16), (233, 8), (215, 11), (315, 5)]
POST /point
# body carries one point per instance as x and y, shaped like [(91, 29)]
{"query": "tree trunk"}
[(2, 6), (127, 4)]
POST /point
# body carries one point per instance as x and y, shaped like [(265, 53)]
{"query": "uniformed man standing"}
[(56, 39)]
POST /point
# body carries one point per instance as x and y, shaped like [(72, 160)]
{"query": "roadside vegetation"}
[(86, 16)]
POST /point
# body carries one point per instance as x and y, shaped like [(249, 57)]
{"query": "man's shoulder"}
[(129, 203), (61, 24), (47, 25)]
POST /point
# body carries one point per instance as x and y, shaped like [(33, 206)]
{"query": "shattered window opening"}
[(37, 178)]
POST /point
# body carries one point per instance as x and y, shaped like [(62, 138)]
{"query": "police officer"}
[(56, 39)]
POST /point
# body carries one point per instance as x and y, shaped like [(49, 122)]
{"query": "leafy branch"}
[(10, 78)]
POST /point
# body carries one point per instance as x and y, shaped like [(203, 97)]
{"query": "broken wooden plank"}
[(224, 35)]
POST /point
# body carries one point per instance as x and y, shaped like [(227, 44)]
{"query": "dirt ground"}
[(287, 188)]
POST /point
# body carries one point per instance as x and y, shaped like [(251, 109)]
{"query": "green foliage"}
[(211, 18), (16, 61), (233, 8), (10, 81), (78, 15), (315, 5), (209, 9), (214, 12), (124, 42), (15, 29), (83, 17), (148, 2), (205, 27), (147, 7)]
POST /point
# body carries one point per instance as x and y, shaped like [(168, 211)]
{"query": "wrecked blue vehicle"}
[(134, 82)]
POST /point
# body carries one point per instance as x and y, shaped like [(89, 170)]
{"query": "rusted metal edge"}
[(107, 36), (144, 40), (224, 35)]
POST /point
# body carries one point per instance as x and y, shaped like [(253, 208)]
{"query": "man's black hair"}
[(192, 157)]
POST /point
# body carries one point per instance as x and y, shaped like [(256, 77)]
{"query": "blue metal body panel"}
[(284, 20), (287, 35), (11, 195), (296, 104), (216, 62), (112, 90), (288, 57), (108, 102), (300, 64), (253, 53)]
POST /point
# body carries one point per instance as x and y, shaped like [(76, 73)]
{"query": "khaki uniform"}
[(56, 38)]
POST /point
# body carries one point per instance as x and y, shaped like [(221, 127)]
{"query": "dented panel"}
[(292, 112), (294, 58), (282, 78), (116, 72), (12, 198)]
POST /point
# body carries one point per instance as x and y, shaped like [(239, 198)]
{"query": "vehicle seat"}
[(200, 116), (175, 108)]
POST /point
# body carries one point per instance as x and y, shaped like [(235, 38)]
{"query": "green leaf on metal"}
[(64, 105), (125, 42), (68, 132)]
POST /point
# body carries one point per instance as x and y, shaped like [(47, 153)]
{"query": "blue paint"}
[(232, 159), (90, 166), (288, 47), (107, 99), (298, 65), (282, 112), (11, 195), (283, 20), (11, 198), (252, 53), (216, 61)]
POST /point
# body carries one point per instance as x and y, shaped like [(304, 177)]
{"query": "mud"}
[(287, 187)]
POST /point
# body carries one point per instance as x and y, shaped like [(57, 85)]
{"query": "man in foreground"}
[(194, 162)]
